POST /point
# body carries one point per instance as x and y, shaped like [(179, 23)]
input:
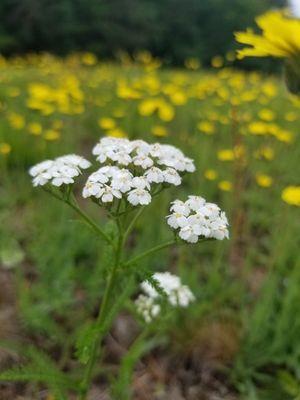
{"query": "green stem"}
[(88, 373), (157, 248), (84, 216), (91, 223), (131, 225), (149, 252)]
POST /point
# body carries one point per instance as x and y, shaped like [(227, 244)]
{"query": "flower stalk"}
[(150, 168)]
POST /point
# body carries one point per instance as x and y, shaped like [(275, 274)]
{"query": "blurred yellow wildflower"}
[(159, 131), (16, 121), (230, 56), (217, 62), (192, 63), (210, 174), (226, 155), (263, 180), (51, 135), (206, 127), (5, 148), (266, 115), (178, 98), (116, 132), (106, 123), (165, 111), (265, 152), (258, 128), (290, 116), (88, 59), (226, 186), (291, 195), (34, 128)]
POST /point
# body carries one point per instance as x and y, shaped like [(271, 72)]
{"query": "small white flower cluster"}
[(147, 307), (134, 168), (178, 295), (195, 218), (60, 171)]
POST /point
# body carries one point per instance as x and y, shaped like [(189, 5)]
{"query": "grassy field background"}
[(240, 339)]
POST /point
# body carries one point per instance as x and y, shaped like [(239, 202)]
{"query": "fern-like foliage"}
[(39, 368)]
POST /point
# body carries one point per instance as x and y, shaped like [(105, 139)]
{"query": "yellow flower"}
[(210, 174), (290, 116), (258, 128), (266, 114), (279, 37), (16, 121), (206, 127), (226, 186), (147, 107), (283, 135), (34, 128), (118, 113), (192, 63), (263, 180), (51, 135), (269, 89), (178, 98), (5, 148), (217, 62), (265, 152), (116, 132), (89, 59), (291, 195), (166, 112), (106, 123), (159, 131), (226, 155), (230, 56)]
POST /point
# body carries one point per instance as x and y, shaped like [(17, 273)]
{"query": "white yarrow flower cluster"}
[(60, 171), (195, 219), (134, 169), (178, 295), (147, 307)]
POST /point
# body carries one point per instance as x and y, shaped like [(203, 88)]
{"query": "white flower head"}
[(177, 295), (147, 308), (60, 171), (141, 154), (196, 219), (162, 164)]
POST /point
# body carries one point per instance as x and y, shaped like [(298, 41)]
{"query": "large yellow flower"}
[(280, 37), (291, 195)]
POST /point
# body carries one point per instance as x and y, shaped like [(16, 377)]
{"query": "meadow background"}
[(110, 73)]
